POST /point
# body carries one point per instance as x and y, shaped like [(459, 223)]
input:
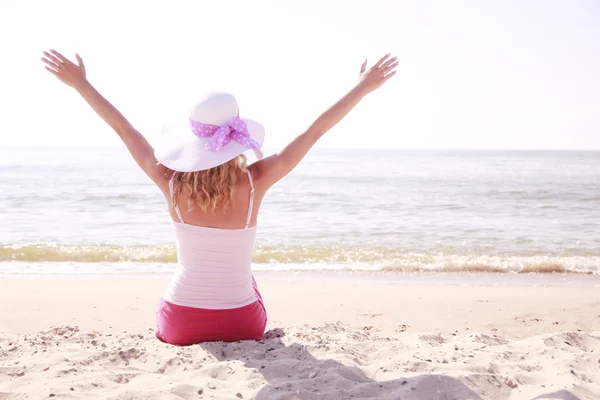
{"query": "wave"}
[(550, 268), (296, 258), (87, 254)]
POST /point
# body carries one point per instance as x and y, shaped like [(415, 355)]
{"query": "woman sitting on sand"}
[(214, 199)]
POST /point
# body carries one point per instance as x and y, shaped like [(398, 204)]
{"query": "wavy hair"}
[(210, 188)]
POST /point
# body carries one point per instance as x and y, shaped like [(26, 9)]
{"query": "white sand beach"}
[(357, 337)]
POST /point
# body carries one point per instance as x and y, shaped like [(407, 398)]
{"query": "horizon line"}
[(115, 146)]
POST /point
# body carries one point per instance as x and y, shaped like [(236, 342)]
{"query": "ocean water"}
[(90, 211)]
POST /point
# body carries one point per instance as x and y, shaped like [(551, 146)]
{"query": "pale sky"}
[(496, 74)]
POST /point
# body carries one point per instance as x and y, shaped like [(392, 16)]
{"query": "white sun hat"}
[(212, 134)]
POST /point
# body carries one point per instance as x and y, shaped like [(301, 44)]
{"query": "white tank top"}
[(213, 265)]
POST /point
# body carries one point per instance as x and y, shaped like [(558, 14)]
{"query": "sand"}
[(331, 336)]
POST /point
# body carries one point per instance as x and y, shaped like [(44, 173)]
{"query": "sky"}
[(495, 74)]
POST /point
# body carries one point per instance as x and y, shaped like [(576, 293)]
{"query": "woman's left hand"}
[(65, 70)]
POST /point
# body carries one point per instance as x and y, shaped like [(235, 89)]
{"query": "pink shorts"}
[(184, 326)]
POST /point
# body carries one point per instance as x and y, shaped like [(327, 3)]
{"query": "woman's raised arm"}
[(74, 75), (273, 168)]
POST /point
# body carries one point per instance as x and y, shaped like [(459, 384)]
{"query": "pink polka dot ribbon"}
[(235, 129)]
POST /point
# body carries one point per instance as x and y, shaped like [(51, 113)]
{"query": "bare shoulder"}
[(255, 171), (161, 180), (259, 171)]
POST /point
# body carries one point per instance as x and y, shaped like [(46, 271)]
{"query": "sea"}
[(90, 210)]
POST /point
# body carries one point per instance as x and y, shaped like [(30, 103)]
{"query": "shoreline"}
[(379, 276)]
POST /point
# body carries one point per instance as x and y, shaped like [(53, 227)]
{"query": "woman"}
[(214, 199)]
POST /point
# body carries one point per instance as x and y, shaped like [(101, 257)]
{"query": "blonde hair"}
[(210, 188)]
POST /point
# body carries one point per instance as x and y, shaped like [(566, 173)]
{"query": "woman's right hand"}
[(378, 74), (66, 71), (272, 169)]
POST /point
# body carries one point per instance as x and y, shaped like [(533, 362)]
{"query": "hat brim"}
[(180, 150)]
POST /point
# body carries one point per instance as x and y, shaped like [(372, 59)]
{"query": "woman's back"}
[(232, 216), (214, 250)]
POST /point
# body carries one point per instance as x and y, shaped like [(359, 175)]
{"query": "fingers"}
[(53, 72), (388, 76), (51, 64), (79, 60), (389, 62), (52, 59), (390, 67), (60, 57), (380, 73), (381, 60), (363, 67)]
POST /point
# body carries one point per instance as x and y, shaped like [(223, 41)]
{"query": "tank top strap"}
[(177, 210), (251, 203)]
